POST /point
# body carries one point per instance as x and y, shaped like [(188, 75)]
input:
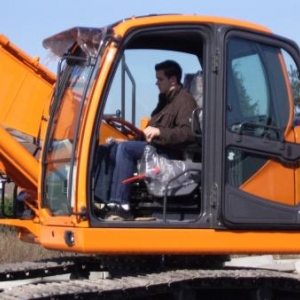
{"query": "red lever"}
[(155, 171)]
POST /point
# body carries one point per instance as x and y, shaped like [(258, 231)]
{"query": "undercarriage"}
[(144, 278)]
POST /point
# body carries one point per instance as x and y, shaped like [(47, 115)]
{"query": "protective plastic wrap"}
[(177, 176), (88, 39)]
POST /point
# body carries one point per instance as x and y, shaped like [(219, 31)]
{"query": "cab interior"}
[(127, 107)]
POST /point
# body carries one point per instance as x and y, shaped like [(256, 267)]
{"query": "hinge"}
[(215, 61)]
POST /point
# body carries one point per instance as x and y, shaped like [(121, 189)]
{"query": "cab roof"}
[(89, 38)]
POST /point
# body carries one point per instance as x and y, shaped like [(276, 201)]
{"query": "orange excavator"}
[(237, 192)]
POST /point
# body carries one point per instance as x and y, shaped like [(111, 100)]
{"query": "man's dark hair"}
[(170, 68)]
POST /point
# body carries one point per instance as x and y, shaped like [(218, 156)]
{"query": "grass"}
[(14, 250)]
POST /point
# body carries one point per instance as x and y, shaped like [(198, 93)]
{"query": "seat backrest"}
[(193, 84)]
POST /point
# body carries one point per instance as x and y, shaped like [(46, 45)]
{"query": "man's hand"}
[(112, 140), (151, 132)]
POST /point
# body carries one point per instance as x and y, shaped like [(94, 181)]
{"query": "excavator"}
[(237, 192)]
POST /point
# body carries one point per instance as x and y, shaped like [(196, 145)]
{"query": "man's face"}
[(163, 82)]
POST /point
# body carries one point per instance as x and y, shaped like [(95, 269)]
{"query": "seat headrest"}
[(193, 84)]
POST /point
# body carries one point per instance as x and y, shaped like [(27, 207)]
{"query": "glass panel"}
[(251, 85), (241, 166), (60, 163), (257, 101)]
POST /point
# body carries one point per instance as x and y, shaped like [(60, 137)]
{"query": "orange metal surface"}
[(273, 182), (25, 89), (123, 27), (143, 241), (297, 171)]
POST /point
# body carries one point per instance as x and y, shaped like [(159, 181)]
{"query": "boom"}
[(25, 91)]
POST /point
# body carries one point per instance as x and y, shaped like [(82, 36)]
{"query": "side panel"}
[(167, 241)]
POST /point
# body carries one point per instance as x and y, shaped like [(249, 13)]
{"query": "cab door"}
[(261, 151)]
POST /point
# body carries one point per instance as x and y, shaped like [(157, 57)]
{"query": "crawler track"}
[(29, 270), (185, 284)]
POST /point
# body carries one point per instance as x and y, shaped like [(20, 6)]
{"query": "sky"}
[(27, 23)]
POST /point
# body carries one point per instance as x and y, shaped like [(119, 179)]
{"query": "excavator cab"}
[(238, 184)]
